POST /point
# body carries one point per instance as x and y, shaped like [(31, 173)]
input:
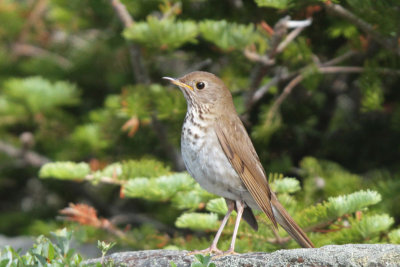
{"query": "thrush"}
[(220, 156)]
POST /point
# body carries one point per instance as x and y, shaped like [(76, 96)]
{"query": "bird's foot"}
[(210, 250), (231, 251)]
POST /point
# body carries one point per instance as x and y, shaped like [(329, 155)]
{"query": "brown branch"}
[(338, 69), (285, 93), (339, 59), (253, 56), (289, 38), (260, 92), (278, 44), (104, 179), (139, 71), (122, 13), (34, 15), (22, 49), (388, 43), (351, 69), (28, 157)]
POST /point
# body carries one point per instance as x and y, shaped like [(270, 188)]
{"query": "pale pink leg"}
[(240, 209), (213, 247)]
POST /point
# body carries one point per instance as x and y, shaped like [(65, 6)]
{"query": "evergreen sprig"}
[(162, 34)]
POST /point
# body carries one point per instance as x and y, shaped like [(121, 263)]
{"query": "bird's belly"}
[(209, 166)]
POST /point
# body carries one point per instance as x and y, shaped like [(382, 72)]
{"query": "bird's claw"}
[(225, 253), (210, 250)]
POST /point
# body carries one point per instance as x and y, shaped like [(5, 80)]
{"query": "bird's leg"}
[(213, 247), (240, 208)]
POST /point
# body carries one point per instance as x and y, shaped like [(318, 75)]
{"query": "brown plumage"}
[(219, 154)]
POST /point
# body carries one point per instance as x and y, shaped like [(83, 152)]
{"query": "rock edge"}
[(332, 255)]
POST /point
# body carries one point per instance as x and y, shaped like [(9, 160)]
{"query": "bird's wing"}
[(241, 154)]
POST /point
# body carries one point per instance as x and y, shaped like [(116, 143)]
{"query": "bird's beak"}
[(178, 83)]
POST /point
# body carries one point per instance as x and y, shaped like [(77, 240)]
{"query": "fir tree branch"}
[(142, 76), (104, 179), (388, 43)]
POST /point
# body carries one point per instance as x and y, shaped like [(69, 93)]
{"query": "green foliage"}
[(323, 178), (394, 236), (197, 221), (336, 207), (142, 101), (37, 94), (350, 203), (159, 189), (64, 170), (89, 137), (286, 185), (104, 248), (140, 168), (162, 34), (372, 93), (279, 4), (203, 261), (44, 253), (227, 36), (217, 205)]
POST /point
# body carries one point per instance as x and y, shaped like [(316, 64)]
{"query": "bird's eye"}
[(200, 85)]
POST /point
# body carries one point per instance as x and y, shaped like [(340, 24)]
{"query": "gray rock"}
[(332, 255)]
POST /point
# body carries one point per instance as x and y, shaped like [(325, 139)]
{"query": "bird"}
[(219, 154)]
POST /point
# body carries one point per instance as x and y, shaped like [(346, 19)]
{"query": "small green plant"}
[(104, 247), (203, 261), (44, 252)]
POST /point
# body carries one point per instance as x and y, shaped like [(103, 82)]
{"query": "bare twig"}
[(200, 65), (300, 26), (285, 93), (138, 68), (122, 13), (104, 179), (339, 59), (28, 157), (21, 49), (351, 69), (34, 15), (388, 43), (334, 69), (260, 92), (278, 44), (252, 56)]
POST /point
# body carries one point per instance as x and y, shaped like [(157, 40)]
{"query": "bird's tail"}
[(287, 222)]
